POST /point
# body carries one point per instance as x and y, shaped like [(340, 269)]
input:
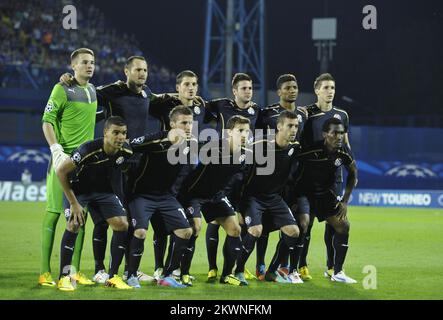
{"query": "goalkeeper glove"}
[(58, 156)]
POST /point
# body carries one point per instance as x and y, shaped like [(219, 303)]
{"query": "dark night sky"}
[(397, 66)]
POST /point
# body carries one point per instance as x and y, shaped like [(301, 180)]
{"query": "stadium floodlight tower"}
[(234, 42), (324, 32)]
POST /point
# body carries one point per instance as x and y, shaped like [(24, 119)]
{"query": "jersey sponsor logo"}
[(49, 106), (120, 160), (411, 170), (76, 157), (248, 220), (338, 162), (197, 110), (251, 110), (138, 140), (337, 116), (290, 152)]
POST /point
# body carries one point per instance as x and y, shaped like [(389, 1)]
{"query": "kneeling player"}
[(316, 180), (95, 170)]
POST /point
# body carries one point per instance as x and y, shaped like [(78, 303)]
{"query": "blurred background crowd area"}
[(35, 49)]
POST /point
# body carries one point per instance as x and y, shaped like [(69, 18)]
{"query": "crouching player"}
[(262, 202), (88, 179), (316, 179)]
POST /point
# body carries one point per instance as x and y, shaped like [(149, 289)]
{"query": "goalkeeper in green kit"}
[(68, 121)]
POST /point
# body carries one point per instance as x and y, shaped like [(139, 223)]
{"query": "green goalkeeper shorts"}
[(54, 192)]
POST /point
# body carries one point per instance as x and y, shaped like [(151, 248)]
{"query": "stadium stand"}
[(35, 50)]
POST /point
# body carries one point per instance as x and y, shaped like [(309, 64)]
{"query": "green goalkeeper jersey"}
[(71, 111)]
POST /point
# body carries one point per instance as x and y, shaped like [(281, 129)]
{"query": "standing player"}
[(222, 110), (68, 121), (287, 90), (131, 100), (318, 113), (262, 200), (203, 189), (89, 179), (316, 180), (152, 192)]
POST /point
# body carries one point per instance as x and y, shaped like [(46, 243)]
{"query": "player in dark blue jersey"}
[(202, 190), (187, 88), (316, 180), (152, 192), (287, 90), (318, 113), (262, 204), (89, 179), (222, 110), (132, 101)]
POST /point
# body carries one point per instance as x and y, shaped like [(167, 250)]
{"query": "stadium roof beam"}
[(234, 42)]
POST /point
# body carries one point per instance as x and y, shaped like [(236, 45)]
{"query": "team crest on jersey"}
[(138, 140), (67, 213), (337, 116), (251, 110), (248, 220), (119, 160), (49, 106), (76, 157), (299, 118), (290, 152), (190, 210), (338, 162), (186, 150), (197, 110)]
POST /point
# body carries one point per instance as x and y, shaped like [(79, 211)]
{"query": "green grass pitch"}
[(404, 246)]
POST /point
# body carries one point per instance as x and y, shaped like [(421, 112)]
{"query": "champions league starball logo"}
[(410, 170), (49, 106), (29, 155), (76, 157)]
